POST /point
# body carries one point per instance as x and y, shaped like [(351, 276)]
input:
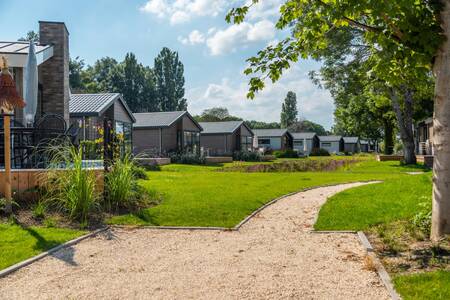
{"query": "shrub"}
[(286, 154), (319, 152), (247, 156), (72, 190), (39, 210), (187, 158), (139, 172), (119, 184), (422, 220)]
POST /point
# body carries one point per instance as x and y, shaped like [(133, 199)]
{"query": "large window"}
[(191, 141), (123, 132), (326, 144), (246, 143), (264, 141), (298, 144)]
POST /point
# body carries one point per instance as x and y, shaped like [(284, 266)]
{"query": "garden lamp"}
[(9, 99)]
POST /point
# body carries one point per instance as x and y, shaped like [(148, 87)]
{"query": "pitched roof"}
[(95, 104), (364, 142), (303, 135), (160, 119), (351, 139), (222, 127), (330, 138), (270, 132)]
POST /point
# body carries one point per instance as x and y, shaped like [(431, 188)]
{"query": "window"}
[(246, 143), (298, 143), (326, 144), (191, 141), (264, 141), (123, 132)]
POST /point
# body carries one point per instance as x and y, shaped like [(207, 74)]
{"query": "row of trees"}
[(144, 88), (396, 50)]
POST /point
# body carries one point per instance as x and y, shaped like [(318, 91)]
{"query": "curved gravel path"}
[(273, 256)]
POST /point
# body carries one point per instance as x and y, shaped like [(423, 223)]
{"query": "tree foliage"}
[(307, 126), (145, 89), (216, 114), (169, 79), (289, 110)]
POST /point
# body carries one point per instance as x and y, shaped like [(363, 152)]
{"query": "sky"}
[(213, 52)]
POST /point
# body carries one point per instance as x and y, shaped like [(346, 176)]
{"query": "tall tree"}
[(289, 110), (404, 35), (169, 79)]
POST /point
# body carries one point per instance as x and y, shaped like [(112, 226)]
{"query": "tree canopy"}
[(216, 114), (145, 89)]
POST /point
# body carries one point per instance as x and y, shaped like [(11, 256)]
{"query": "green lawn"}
[(362, 207), (426, 286), (18, 244), (204, 196)]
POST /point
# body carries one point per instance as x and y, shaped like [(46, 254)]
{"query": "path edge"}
[(40, 256), (381, 271)]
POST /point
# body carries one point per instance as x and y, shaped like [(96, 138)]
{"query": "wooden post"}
[(7, 136)]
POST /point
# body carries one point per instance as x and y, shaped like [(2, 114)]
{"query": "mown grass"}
[(433, 285), (204, 196), (19, 243), (362, 207)]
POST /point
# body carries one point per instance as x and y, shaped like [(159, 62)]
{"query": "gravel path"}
[(273, 256)]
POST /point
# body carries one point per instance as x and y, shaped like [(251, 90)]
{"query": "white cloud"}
[(239, 35), (261, 31), (179, 17), (195, 37), (181, 11), (156, 7), (313, 103)]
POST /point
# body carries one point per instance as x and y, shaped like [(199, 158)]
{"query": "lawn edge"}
[(250, 216), (40, 256), (381, 271)]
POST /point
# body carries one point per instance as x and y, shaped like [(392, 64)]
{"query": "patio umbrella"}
[(31, 85), (9, 99)]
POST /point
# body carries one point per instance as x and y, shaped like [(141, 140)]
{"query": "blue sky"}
[(213, 52)]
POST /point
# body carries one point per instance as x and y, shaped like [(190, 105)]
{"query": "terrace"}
[(53, 115)]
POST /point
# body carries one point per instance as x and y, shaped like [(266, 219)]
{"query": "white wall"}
[(275, 143), (333, 148), (300, 148)]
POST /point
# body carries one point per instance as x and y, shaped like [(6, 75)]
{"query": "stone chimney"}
[(54, 73)]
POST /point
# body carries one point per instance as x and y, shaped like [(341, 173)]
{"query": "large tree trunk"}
[(388, 137), (405, 124), (441, 128)]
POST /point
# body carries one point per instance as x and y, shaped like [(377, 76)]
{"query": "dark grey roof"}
[(303, 135), (330, 138), (160, 119), (270, 132), (20, 47), (351, 139), (221, 127), (94, 104)]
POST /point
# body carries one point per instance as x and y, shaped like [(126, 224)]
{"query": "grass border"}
[(40, 256), (381, 271), (75, 241)]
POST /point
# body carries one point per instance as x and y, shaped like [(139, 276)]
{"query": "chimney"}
[(54, 73)]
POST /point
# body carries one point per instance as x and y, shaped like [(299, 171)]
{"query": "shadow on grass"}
[(145, 216), (42, 244)]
